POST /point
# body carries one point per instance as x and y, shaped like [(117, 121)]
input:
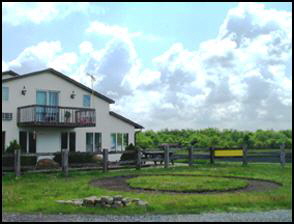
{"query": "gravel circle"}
[(119, 183), (269, 216)]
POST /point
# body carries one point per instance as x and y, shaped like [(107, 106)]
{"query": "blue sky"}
[(194, 60)]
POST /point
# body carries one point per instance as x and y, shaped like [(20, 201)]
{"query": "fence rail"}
[(141, 157)]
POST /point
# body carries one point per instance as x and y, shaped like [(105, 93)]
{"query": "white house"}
[(46, 111)]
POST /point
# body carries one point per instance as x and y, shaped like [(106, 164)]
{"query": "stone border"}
[(118, 183)]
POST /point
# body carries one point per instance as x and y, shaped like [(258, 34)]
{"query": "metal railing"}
[(56, 116)]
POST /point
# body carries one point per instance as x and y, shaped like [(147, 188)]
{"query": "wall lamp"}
[(73, 94), (24, 91)]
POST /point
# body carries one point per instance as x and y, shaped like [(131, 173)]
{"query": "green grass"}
[(186, 183), (36, 193)]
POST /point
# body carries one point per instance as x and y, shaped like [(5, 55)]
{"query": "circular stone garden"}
[(183, 184), (186, 183)]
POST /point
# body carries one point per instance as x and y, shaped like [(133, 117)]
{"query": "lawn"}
[(35, 193), (185, 183)]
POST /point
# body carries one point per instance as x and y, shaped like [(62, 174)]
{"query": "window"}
[(6, 116), (98, 142), (89, 142), (93, 140), (119, 141), (113, 142), (5, 93), (125, 140), (86, 100)]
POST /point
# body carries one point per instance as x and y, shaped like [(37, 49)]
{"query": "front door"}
[(32, 142), (23, 141), (64, 140), (72, 141)]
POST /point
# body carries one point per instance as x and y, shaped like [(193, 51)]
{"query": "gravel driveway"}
[(270, 216)]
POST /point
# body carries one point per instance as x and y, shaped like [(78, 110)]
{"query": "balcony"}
[(55, 116)]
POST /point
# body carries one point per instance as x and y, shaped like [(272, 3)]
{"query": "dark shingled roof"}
[(59, 74), (10, 72), (125, 120)]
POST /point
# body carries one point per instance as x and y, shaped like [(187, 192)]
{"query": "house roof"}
[(59, 74), (125, 120), (10, 72)]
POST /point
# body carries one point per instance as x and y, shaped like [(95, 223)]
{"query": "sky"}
[(167, 65)]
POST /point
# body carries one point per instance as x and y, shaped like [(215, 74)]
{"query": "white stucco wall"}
[(48, 139)]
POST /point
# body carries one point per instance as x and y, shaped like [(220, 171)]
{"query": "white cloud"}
[(4, 66), (240, 79), (43, 55), (86, 47), (63, 62), (121, 32), (237, 80), (100, 28), (18, 13)]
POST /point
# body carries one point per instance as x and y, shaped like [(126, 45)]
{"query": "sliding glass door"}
[(44, 98), (41, 100), (94, 142), (52, 112)]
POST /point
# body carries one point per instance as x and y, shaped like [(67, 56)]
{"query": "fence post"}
[(166, 156), (17, 162), (282, 155), (138, 166), (211, 155), (65, 162), (245, 161), (105, 160), (190, 156)]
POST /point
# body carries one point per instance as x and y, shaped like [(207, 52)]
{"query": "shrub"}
[(130, 153), (78, 157), (13, 145)]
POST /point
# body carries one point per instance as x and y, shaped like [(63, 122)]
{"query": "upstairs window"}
[(5, 93), (86, 100)]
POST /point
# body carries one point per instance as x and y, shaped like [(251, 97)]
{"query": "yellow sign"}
[(228, 152)]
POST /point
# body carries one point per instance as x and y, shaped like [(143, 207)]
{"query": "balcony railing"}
[(55, 116)]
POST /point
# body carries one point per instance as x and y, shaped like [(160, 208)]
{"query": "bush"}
[(78, 157), (24, 160), (130, 153), (13, 145)]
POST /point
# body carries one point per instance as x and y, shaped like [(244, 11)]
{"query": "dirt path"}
[(119, 183), (268, 216)]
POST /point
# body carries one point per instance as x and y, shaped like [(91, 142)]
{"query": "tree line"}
[(214, 137)]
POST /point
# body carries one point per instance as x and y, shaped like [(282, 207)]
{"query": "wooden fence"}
[(166, 156), (248, 155)]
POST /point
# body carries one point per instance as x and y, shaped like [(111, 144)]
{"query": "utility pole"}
[(92, 80)]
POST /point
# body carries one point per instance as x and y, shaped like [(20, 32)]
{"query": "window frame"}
[(117, 147), (89, 101), (5, 97)]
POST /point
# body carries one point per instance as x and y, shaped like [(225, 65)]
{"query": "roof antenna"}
[(92, 80)]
